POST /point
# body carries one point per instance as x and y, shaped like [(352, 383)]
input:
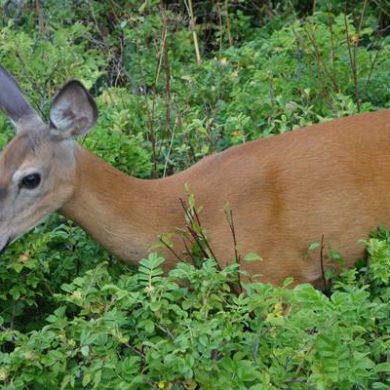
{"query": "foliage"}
[(72, 316), (143, 329)]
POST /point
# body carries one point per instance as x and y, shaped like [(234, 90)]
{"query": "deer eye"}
[(31, 181)]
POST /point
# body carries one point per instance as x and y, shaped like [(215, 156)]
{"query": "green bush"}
[(141, 330)]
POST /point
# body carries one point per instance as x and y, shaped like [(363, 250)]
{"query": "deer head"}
[(38, 167)]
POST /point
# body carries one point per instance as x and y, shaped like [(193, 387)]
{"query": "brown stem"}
[(41, 20), (352, 60), (322, 264), (236, 254), (228, 29), (166, 244), (167, 70), (190, 11)]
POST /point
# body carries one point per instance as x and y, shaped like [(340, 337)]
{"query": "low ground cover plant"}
[(145, 330)]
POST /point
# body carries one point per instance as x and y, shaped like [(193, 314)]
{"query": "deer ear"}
[(12, 101), (73, 111)]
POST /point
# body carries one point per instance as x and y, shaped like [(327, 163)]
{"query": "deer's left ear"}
[(73, 111)]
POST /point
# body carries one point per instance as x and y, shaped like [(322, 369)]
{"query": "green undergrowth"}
[(142, 330)]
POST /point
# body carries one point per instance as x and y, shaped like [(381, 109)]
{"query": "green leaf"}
[(251, 257)]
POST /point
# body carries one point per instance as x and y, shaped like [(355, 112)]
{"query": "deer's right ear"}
[(12, 101), (73, 111)]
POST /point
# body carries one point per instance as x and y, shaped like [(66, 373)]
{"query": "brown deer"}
[(328, 182)]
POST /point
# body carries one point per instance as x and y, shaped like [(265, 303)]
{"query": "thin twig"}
[(322, 264), (41, 20), (167, 157), (228, 29), (236, 254), (167, 70), (190, 11), (352, 59), (198, 237), (166, 244)]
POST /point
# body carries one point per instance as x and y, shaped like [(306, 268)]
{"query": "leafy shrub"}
[(144, 330)]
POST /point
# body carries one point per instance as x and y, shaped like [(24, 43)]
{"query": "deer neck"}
[(124, 214)]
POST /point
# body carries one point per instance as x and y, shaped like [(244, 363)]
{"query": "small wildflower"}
[(3, 374), (236, 133), (354, 39), (161, 385), (24, 257), (71, 343), (76, 295), (223, 61), (149, 289), (278, 310), (291, 106), (28, 355), (233, 75)]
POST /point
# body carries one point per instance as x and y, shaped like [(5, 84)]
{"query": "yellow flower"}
[(278, 310), (354, 39), (76, 295), (24, 257), (161, 385), (233, 75), (223, 61), (3, 374)]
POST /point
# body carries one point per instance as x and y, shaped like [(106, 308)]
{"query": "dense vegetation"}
[(176, 81)]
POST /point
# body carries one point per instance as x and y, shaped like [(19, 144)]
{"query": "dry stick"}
[(333, 56), (352, 59), (362, 17), (219, 24), (355, 48), (151, 113), (236, 254), (232, 229), (190, 11), (167, 74), (322, 263), (152, 135), (228, 24), (161, 52), (41, 21)]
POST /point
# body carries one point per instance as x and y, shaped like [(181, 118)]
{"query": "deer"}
[(327, 183)]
